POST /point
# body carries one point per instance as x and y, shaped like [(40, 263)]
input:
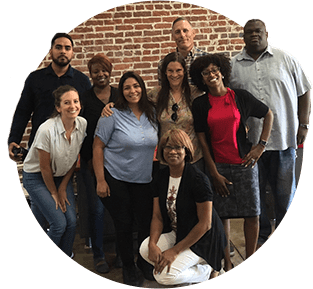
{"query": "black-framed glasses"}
[(207, 73), (175, 148), (174, 115)]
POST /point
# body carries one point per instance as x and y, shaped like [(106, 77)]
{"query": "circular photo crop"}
[(158, 144)]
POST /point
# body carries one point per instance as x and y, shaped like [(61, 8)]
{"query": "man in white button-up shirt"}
[(275, 78)]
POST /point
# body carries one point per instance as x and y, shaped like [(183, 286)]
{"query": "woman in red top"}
[(220, 122)]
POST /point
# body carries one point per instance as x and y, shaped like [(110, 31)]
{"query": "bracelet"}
[(306, 126)]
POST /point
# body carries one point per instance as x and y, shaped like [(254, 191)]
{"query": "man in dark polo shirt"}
[(37, 101)]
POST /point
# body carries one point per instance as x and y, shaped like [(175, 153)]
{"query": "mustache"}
[(61, 56)]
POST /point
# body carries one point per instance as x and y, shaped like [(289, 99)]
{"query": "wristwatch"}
[(263, 143), (306, 126)]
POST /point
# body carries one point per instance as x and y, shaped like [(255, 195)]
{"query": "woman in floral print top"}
[(173, 101)]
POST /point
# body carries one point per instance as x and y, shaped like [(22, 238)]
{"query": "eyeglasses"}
[(175, 148), (208, 73), (174, 115)]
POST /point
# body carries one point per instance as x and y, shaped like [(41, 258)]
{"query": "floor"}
[(84, 257)]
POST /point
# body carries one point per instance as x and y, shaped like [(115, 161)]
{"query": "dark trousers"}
[(278, 169), (129, 204)]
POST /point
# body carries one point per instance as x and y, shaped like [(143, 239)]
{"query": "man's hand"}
[(17, 158), (301, 136)]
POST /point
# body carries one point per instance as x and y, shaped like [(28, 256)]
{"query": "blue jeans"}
[(276, 168), (62, 225)]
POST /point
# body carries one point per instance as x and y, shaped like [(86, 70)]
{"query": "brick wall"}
[(136, 36)]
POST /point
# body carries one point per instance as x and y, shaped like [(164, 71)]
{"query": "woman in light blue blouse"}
[(123, 151)]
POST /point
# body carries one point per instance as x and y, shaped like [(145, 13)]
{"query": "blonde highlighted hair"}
[(176, 137)]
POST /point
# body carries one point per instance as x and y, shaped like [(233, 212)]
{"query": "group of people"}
[(223, 128)]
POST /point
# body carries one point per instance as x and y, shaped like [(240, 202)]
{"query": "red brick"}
[(94, 35), (121, 66), (142, 14), (143, 27), (142, 65), (124, 27), (150, 58), (152, 33), (151, 46), (94, 22), (123, 15)]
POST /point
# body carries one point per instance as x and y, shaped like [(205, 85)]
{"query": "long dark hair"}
[(145, 105), (163, 95)]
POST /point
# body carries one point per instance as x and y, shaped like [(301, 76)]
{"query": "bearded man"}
[(36, 101)]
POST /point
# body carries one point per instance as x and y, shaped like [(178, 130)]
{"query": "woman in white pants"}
[(187, 239)]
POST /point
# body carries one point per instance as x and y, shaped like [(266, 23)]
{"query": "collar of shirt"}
[(60, 126), (69, 72), (193, 52), (245, 56)]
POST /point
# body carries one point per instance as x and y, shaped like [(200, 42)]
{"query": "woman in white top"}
[(50, 164)]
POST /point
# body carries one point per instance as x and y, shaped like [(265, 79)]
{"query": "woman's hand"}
[(220, 184), (167, 258), (56, 199), (107, 110), (103, 189), (155, 253), (253, 156), (63, 199)]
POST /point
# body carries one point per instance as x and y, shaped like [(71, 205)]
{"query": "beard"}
[(61, 61)]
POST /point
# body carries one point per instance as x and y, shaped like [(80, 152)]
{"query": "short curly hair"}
[(221, 60)]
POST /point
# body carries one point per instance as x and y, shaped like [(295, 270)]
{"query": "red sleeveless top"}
[(223, 121)]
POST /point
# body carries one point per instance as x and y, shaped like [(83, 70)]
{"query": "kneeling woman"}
[(50, 163), (187, 238)]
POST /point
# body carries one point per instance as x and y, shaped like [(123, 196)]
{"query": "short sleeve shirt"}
[(129, 145), (277, 80), (51, 138)]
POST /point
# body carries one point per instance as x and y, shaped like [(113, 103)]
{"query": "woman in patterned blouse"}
[(173, 101)]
